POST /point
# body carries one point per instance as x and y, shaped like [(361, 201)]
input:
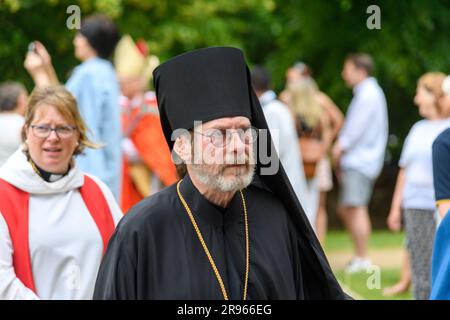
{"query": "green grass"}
[(370, 285), (380, 239)]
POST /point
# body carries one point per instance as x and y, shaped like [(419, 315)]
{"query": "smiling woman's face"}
[(53, 153)]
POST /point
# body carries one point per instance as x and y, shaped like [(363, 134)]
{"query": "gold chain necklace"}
[(205, 248)]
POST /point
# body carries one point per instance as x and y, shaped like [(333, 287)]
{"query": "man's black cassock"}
[(155, 252)]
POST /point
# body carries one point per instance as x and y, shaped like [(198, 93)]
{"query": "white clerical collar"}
[(55, 177)]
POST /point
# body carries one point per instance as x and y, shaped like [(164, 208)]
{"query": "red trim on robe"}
[(98, 208), (14, 206)]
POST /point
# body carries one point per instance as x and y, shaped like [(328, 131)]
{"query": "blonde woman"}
[(413, 200), (317, 117)]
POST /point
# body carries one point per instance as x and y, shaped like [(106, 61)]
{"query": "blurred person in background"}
[(441, 182), (147, 163), (414, 200), (297, 72), (94, 84), (440, 167), (55, 220), (404, 283), (317, 117), (282, 126), (441, 178), (359, 153), (13, 100)]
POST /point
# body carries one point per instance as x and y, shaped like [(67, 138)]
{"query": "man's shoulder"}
[(267, 210), (153, 210), (97, 72), (11, 121), (261, 191), (444, 135), (419, 125), (443, 140), (276, 105), (278, 110), (372, 90)]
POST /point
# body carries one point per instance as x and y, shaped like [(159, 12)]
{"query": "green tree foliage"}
[(275, 33), (170, 27), (411, 41)]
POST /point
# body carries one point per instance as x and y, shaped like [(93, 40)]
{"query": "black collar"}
[(207, 211), (47, 176)]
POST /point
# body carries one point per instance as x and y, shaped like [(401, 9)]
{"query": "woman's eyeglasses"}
[(43, 131)]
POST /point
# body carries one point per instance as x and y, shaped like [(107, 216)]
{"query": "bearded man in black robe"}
[(232, 227)]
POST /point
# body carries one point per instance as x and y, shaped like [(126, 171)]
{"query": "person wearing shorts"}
[(355, 189), (359, 153)]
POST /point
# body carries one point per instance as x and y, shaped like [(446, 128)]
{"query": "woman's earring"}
[(25, 145)]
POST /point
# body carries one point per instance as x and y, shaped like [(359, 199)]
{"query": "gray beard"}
[(219, 183)]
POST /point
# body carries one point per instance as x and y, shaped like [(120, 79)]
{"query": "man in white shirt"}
[(359, 152), (282, 126)]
